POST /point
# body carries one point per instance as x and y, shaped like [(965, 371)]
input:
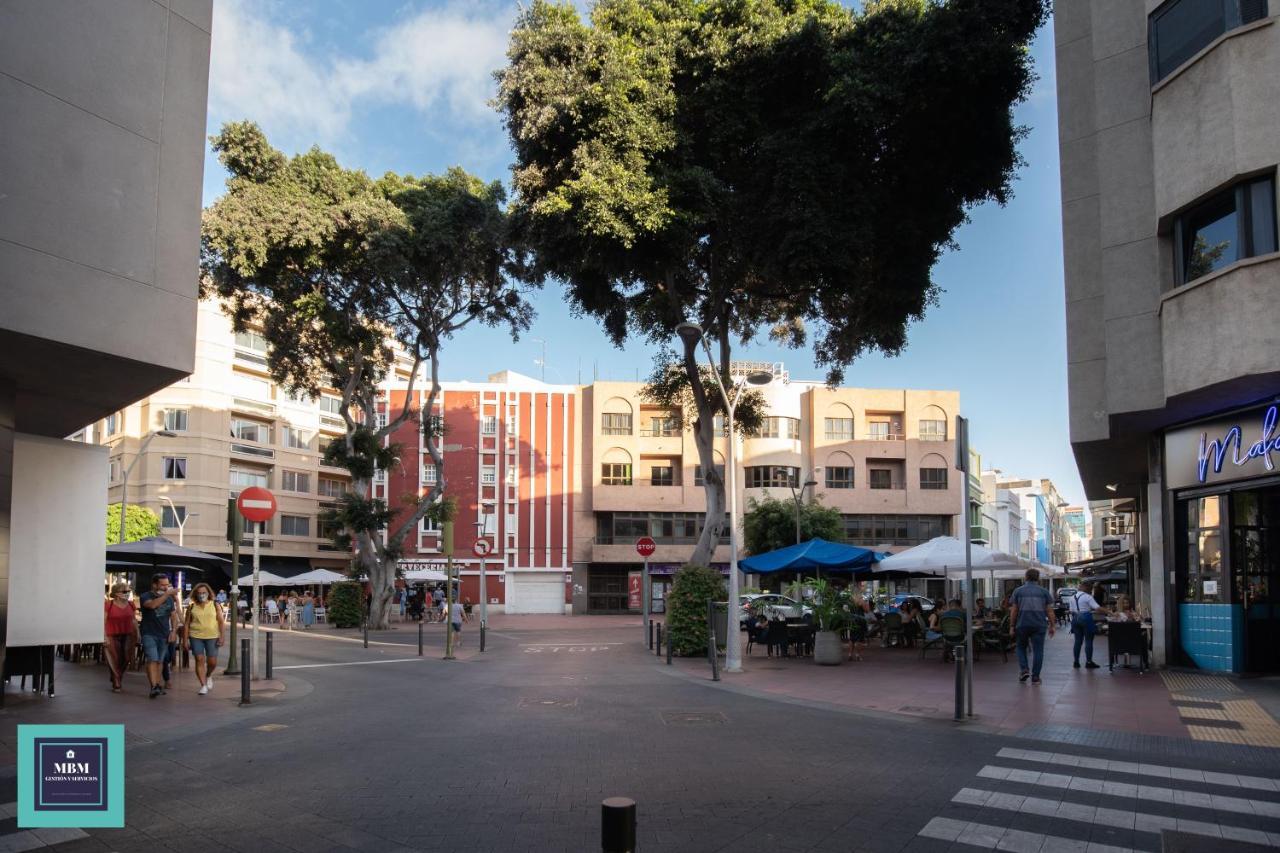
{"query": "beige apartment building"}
[(232, 428), (883, 458)]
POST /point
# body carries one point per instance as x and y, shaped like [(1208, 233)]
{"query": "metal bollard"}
[(618, 825), (668, 648), (269, 652), (419, 639), (651, 633), (244, 672), (659, 639), (960, 664), (711, 640), (483, 628), (366, 634)]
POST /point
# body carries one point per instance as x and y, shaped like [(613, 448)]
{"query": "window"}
[(295, 481), (878, 430), (251, 387), (511, 424), (932, 478), (331, 405), (113, 423), (662, 475), (1115, 525), (933, 430), (113, 470), (327, 528), (379, 420), (251, 340), (840, 478), (172, 517), (379, 475), (296, 438), (615, 473), (324, 442), (663, 426), (488, 475), (489, 425), (666, 528), (243, 478), (175, 420), (243, 429), (264, 528), (511, 474), (615, 423), (839, 429), (772, 477), (295, 525), (894, 529), (430, 474), (1238, 223), (330, 488), (1180, 29), (880, 478), (175, 468), (774, 427), (697, 474), (1203, 548), (719, 425)]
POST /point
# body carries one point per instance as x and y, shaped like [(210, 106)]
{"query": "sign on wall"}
[(1239, 447)]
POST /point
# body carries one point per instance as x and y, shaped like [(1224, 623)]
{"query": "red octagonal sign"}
[(256, 504), (645, 546)]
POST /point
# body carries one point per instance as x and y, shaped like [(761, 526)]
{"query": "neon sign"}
[(1216, 451)]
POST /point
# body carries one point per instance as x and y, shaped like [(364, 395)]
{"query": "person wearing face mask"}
[(205, 629), (120, 630)]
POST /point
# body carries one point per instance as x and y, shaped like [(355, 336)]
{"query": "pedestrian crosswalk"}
[(1032, 801)]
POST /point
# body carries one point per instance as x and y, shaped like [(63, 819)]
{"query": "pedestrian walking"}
[(308, 611), (291, 610), (159, 627), (1031, 615), (456, 615), (221, 597), (438, 598), (120, 632), (205, 629), (466, 609), (1083, 605)]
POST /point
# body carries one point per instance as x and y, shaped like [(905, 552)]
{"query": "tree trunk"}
[(381, 571), (704, 439)]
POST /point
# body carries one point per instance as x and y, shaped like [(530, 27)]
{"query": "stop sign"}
[(256, 504), (645, 546)]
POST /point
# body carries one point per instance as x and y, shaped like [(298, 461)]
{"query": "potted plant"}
[(831, 614)]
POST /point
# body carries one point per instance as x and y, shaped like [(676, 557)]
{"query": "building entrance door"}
[(1255, 534), (607, 589)]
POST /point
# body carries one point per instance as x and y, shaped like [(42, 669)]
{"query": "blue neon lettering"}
[(1216, 450)]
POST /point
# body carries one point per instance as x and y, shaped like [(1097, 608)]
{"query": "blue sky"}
[(403, 87)]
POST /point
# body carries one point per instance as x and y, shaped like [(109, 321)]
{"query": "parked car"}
[(781, 604)]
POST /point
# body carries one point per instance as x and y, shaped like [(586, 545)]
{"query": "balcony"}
[(252, 357), (884, 436), (979, 535), (896, 486), (250, 450), (254, 406), (332, 421)]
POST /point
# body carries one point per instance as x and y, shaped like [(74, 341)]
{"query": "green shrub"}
[(345, 605), (687, 608)]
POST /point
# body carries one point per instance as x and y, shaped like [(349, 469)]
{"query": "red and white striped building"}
[(509, 448)]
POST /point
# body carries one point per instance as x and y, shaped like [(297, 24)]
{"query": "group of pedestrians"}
[(160, 623), (291, 610), (1033, 616)]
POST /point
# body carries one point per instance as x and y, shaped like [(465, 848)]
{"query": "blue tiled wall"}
[(1212, 635)]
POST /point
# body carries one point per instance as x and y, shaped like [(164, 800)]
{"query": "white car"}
[(771, 603)]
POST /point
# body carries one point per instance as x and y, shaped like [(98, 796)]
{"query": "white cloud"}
[(438, 59)]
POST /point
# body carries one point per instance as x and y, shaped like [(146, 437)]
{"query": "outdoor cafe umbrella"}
[(816, 554), (424, 575), (318, 577), (159, 553), (943, 556)]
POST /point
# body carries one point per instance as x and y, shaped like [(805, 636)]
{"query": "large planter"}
[(827, 648)]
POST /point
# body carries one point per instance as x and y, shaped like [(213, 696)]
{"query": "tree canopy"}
[(770, 523), (140, 522)]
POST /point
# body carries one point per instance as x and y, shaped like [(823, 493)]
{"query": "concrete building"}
[(102, 158), (1077, 522), (884, 458), (233, 428), (1042, 505), (1169, 131), (1011, 530)]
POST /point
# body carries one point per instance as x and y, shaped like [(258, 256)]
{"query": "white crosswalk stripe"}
[(1182, 795)]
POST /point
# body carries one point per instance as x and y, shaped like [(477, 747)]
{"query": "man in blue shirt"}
[(159, 628), (1031, 615)]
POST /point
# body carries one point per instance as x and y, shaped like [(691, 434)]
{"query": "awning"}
[(814, 555), (1098, 565)]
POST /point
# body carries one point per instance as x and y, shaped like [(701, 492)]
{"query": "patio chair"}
[(776, 637), (997, 639), (1127, 638), (756, 634), (892, 633)]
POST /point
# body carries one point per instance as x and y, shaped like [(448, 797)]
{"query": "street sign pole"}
[(257, 601), (962, 460), (644, 590), (257, 505), (233, 608)]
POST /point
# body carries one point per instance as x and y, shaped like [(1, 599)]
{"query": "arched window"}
[(839, 472), (615, 468), (933, 472), (933, 424), (719, 463), (615, 418), (838, 423)]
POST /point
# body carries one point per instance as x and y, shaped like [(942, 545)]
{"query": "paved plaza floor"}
[(378, 749)]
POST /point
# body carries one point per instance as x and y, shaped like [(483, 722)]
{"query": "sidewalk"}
[(1172, 704)]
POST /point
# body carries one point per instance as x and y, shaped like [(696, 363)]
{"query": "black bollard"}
[(960, 664), (659, 639), (618, 825), (711, 640), (483, 628), (245, 668), (651, 633), (419, 639), (668, 648), (269, 655), (366, 635)]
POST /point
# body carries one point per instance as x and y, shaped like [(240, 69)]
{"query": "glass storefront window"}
[(1205, 581)]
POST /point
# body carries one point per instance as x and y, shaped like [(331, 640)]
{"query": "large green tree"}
[(789, 167), (770, 523), (139, 523), (335, 268)]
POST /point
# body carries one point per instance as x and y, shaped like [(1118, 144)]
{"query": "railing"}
[(263, 543), (659, 540), (933, 438), (660, 433), (249, 450), (979, 534), (334, 421), (897, 487), (251, 357), (636, 481), (253, 405), (884, 436)]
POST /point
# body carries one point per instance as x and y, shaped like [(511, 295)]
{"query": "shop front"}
[(1224, 501)]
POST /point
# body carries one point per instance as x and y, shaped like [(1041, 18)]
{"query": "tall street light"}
[(124, 481), (690, 333), (798, 497)]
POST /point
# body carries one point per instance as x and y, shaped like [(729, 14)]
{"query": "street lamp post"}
[(798, 497), (733, 638), (124, 480), (180, 520)]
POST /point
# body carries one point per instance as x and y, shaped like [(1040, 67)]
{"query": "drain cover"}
[(693, 718), (534, 702)]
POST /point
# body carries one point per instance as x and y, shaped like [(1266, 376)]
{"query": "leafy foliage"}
[(770, 523), (687, 608), (140, 522), (345, 605), (832, 606), (794, 168)]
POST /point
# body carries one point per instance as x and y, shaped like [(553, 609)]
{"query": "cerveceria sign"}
[(1238, 447)]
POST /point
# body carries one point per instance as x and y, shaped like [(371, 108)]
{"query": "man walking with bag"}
[(1030, 617), (1083, 605)]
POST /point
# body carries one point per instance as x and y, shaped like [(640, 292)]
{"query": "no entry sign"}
[(256, 504), (645, 546)]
